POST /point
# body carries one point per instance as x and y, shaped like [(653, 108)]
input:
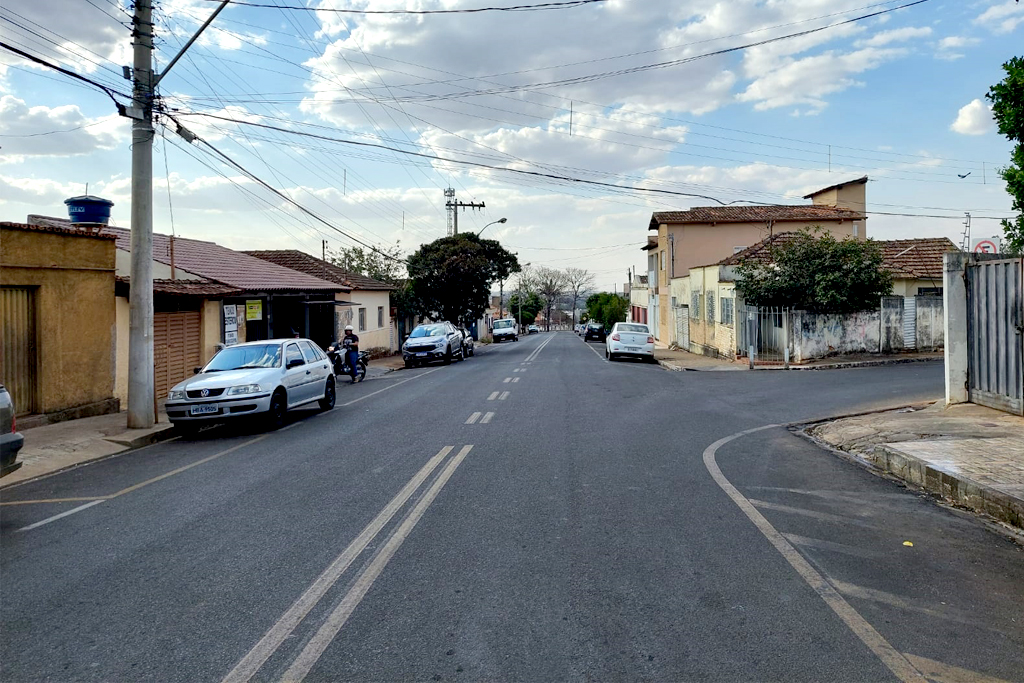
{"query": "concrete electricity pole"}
[(141, 388)]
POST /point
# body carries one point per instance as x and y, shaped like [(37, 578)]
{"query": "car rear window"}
[(642, 329)]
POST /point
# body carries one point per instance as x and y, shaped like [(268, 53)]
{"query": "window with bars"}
[(362, 320), (380, 317), (695, 305), (711, 307), (726, 302)]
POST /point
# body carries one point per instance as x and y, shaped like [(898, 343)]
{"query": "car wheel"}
[(408, 364), (278, 409), (327, 402), (448, 356)]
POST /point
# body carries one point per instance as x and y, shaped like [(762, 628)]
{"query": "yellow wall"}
[(714, 338), (210, 313), (121, 356), (75, 312), (373, 337)]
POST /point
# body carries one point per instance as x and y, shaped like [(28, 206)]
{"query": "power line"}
[(32, 58), (514, 8)]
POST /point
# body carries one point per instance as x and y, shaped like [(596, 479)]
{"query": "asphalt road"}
[(531, 514)]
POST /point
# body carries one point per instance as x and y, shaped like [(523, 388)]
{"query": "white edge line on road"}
[(361, 398), (61, 515), (473, 418), (596, 352), (486, 418), (279, 632), (890, 657), (326, 634)]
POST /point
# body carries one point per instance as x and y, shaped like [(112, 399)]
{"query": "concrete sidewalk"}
[(677, 359), (970, 455)]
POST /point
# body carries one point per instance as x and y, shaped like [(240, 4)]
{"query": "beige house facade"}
[(681, 240)]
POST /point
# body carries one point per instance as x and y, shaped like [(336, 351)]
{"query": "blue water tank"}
[(89, 209)]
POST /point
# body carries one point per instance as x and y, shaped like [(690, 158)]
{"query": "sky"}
[(574, 122)]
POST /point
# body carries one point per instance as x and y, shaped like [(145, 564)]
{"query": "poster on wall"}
[(254, 310), (230, 338), (230, 319)]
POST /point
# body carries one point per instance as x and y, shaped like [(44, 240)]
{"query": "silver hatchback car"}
[(265, 378)]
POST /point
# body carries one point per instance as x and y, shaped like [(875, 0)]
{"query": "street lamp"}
[(500, 220)]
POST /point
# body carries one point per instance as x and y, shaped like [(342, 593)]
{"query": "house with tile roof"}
[(706, 234), (206, 296), (714, 305), (365, 305)]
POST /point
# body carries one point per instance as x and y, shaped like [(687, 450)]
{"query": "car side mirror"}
[(296, 362), (196, 371)]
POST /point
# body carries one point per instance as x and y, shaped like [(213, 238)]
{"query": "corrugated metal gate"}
[(909, 322), (18, 337), (995, 367), (683, 327), (175, 348)]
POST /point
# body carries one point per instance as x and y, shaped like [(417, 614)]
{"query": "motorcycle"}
[(339, 359)]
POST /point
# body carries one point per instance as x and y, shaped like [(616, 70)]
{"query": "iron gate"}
[(995, 367)]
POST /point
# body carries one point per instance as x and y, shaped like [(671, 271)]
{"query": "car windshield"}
[(502, 324), (428, 331), (642, 329), (239, 357)]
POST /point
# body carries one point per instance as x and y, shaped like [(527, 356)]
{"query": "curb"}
[(854, 364), (162, 434)]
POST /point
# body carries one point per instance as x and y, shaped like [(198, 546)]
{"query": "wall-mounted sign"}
[(254, 310), (230, 338), (230, 319)]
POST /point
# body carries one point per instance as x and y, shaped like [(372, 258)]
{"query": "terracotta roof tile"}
[(203, 288), (67, 228), (233, 268), (306, 263), (753, 214), (915, 259)]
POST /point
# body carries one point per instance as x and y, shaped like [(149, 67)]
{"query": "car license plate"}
[(421, 354), (204, 410), (632, 348)]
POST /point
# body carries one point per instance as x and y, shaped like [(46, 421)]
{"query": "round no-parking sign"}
[(985, 246)]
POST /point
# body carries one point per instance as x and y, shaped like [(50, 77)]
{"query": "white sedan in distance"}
[(629, 339), (265, 378)]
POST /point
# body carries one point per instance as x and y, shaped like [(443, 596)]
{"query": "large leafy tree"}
[(817, 272), (451, 277), (1007, 98), (606, 308)]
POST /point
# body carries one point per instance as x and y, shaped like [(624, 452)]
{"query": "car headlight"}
[(175, 395), (440, 343), (245, 389)]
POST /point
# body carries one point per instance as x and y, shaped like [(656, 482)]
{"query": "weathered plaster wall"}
[(824, 335)]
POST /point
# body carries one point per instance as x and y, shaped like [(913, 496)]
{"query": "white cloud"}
[(1002, 18), (946, 49), (895, 36), (55, 131), (974, 118), (808, 80)]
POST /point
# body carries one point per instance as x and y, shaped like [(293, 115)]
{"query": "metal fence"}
[(995, 318), (762, 333)]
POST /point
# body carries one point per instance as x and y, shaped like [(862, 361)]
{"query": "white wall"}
[(374, 336)]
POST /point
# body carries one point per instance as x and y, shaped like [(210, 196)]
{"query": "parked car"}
[(468, 342), (10, 440), (433, 341), (532, 329), (594, 331), (630, 339), (262, 378), (505, 330)]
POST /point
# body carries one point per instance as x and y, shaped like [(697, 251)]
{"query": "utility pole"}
[(452, 206), (141, 388), (141, 384)]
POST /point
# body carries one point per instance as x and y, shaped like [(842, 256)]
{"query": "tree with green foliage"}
[(819, 273), (1007, 98), (531, 306), (606, 308), (382, 263), (451, 277)]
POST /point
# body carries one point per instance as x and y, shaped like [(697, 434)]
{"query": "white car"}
[(505, 330), (629, 339), (266, 378)]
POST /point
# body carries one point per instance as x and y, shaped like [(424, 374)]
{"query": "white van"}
[(505, 330)]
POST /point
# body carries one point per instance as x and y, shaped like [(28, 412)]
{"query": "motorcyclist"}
[(350, 344)]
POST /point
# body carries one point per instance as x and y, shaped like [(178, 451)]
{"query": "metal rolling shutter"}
[(18, 337), (176, 339)]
